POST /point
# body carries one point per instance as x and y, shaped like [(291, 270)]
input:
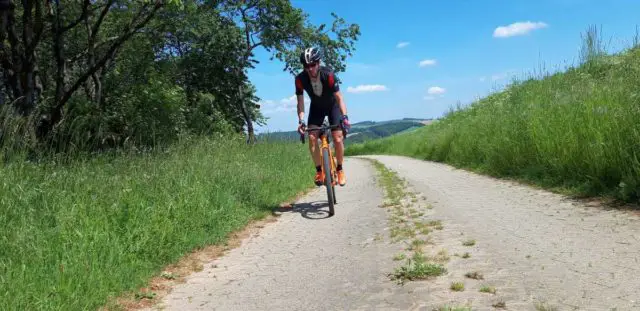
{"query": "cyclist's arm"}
[(335, 87), (340, 99), (300, 107), (300, 97)]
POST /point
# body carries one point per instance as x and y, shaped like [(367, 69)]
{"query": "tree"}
[(137, 16), (73, 76), (208, 50), (76, 61), (284, 31)]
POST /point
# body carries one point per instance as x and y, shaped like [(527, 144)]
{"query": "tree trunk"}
[(25, 71), (45, 124), (251, 138), (10, 59)]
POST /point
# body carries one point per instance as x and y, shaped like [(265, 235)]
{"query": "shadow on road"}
[(309, 210)]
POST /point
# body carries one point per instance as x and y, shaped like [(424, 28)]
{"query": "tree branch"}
[(12, 62), (57, 51), (96, 27), (246, 30), (83, 15), (39, 29), (255, 45), (27, 24), (95, 46), (109, 54)]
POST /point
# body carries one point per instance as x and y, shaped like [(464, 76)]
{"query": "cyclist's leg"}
[(316, 117), (334, 119)]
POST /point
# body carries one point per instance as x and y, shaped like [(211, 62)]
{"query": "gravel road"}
[(532, 246)]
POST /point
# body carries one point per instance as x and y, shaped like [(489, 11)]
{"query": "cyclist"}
[(321, 85)]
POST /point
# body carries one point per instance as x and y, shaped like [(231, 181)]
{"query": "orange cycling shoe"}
[(319, 179), (342, 179)]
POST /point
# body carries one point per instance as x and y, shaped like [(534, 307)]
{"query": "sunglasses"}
[(310, 65)]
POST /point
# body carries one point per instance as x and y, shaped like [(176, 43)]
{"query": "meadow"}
[(575, 131), (80, 231)]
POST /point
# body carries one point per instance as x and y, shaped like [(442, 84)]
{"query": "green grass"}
[(474, 275), (457, 286), (417, 268), (500, 305), (75, 234), (469, 242), (398, 257), (488, 289), (575, 131), (543, 306), (391, 183)]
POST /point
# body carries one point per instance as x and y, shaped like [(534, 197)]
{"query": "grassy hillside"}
[(360, 132), (577, 130), (75, 234)]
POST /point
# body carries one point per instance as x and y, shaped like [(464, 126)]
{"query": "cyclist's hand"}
[(301, 127), (345, 123)]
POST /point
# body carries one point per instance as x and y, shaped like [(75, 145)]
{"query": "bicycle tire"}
[(335, 180), (333, 188), (328, 181)]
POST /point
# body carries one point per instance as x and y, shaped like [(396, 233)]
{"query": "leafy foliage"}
[(87, 75)]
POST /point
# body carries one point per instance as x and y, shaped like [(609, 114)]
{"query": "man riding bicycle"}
[(326, 100)]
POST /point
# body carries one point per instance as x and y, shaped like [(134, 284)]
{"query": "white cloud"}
[(427, 62), (517, 29), (402, 44), (436, 90), (288, 104), (266, 103), (289, 100), (367, 88)]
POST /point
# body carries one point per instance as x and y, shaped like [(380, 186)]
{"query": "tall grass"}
[(74, 234), (577, 130)]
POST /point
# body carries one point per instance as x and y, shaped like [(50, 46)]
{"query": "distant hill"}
[(362, 131)]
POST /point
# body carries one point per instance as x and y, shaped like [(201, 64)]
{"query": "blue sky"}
[(417, 58)]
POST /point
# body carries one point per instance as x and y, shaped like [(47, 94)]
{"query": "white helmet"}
[(310, 55)]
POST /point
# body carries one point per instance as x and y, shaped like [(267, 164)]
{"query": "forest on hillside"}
[(95, 75)]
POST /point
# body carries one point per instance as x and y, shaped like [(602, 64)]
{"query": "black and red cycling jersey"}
[(324, 105), (329, 87)]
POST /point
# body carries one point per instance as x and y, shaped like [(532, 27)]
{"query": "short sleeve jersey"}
[(329, 87)]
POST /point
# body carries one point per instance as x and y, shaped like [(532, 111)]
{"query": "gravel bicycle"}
[(329, 162)]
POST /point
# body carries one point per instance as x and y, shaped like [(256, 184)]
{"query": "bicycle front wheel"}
[(328, 180)]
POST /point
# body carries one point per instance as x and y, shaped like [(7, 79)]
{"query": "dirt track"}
[(532, 246)]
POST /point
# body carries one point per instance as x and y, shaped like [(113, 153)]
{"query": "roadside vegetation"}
[(575, 131), (76, 234)]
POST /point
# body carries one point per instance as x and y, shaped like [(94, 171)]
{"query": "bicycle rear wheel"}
[(328, 180)]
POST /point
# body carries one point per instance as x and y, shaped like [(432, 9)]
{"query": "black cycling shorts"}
[(318, 113)]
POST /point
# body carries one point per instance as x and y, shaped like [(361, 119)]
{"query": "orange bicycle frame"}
[(333, 168)]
